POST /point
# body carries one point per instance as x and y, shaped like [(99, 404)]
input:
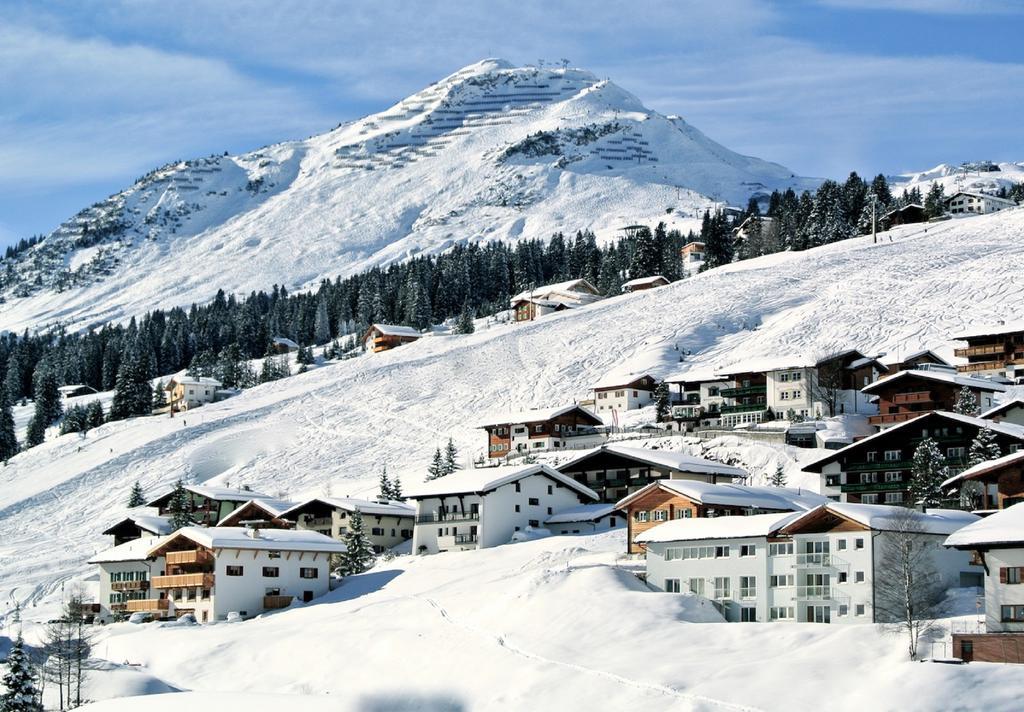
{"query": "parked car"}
[(140, 617)]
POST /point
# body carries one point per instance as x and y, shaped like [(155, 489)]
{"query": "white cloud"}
[(940, 7)]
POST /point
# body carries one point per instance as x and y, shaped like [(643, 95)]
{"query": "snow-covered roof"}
[(733, 495), (937, 376), (617, 379), (271, 505), (284, 341), (486, 479), (134, 550), (986, 196), (186, 380), (1010, 429), (663, 458), (884, 517), (147, 522), (1002, 408), (71, 388), (220, 494), (985, 467), (394, 330), (1008, 327), (244, 538), (702, 528), (575, 288), (353, 504), (581, 513), (696, 375), (1005, 527), (640, 281), (916, 354), (537, 415)]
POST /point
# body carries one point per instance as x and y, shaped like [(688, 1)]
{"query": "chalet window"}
[(551, 490), (784, 377), (748, 614), (832, 480), (781, 613), (840, 544), (696, 585), (639, 516), (234, 571), (611, 522), (782, 548), (699, 552), (440, 531), (660, 515), (721, 552), (635, 394), (797, 376), (859, 609), (722, 587), (672, 586), (518, 487), (1011, 574), (684, 513), (748, 550), (893, 455), (538, 428), (541, 444), (858, 577), (309, 572), (782, 581), (748, 586), (270, 572), (893, 497), (893, 477), (871, 456), (673, 553), (377, 531), (955, 453), (550, 512), (534, 523), (869, 499), (868, 478), (797, 395), (533, 501), (858, 544), (842, 577), (205, 594), (844, 609), (406, 533), (619, 394), (1012, 614), (517, 508), (274, 554)]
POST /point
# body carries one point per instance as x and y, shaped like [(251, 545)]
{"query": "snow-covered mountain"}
[(978, 176), (491, 152)]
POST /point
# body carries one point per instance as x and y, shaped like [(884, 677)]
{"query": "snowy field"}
[(553, 624), (519, 624)]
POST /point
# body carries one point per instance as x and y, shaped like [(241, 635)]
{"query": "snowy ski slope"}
[(459, 161), (334, 427)]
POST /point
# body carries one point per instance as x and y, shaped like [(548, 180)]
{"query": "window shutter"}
[(1002, 574)]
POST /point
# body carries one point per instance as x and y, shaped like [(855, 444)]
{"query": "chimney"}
[(254, 531)]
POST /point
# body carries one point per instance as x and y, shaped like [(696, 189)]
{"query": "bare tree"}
[(827, 385), (908, 590), (66, 649)]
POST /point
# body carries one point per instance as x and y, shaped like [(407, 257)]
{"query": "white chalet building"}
[(386, 523), (618, 392), (125, 575), (978, 203), (213, 571), (819, 566), (484, 507)]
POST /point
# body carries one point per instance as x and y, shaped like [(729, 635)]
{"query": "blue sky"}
[(94, 94)]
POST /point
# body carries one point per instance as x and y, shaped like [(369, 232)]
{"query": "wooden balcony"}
[(204, 580), (147, 604), (983, 350), (890, 418), (913, 397), (995, 365), (129, 585), (190, 556), (274, 602)]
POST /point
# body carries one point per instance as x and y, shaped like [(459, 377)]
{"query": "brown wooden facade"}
[(989, 647), (910, 396), (379, 341), (991, 353), (566, 425), (254, 512), (1007, 477)]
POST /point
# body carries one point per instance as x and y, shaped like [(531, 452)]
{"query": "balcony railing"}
[(874, 486), (147, 604), (129, 585), (750, 408), (448, 517), (889, 418), (814, 593), (190, 556), (913, 397), (821, 560), (204, 580), (744, 391), (274, 602), (318, 522), (465, 538), (879, 466), (985, 350)]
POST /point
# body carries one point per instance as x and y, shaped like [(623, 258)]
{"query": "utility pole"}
[(874, 224)]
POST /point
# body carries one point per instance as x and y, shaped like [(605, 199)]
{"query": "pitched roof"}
[(939, 377), (1004, 528), (192, 381), (662, 458), (394, 330), (134, 550), (486, 479), (644, 280), (1010, 327), (146, 522), (617, 379), (1009, 429), (884, 517), (922, 352), (243, 538), (538, 415), (1002, 408), (284, 341), (220, 494), (983, 468), (581, 513), (986, 196), (271, 505), (352, 504), (570, 288), (733, 495), (702, 528)]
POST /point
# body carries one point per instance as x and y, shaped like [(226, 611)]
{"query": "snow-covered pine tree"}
[(983, 448), (137, 498), (935, 201), (179, 507), (778, 478), (321, 323), (8, 440), (358, 556), (436, 469), (927, 474), (36, 433), (396, 489), (966, 402), (646, 255), (95, 412), (464, 324), (386, 490), (19, 682), (661, 401), (451, 457), (159, 397)]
